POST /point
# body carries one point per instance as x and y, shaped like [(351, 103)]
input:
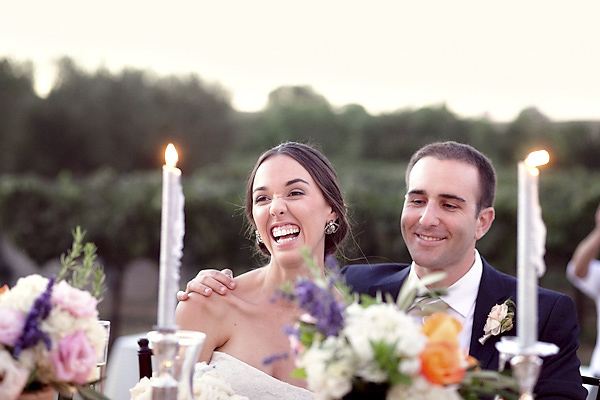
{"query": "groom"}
[(448, 207)]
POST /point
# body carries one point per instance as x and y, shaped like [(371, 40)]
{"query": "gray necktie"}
[(425, 306)]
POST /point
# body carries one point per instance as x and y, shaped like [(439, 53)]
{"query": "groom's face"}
[(440, 223)]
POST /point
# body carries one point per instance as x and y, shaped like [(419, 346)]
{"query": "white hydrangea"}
[(383, 323), (410, 366), (329, 366)]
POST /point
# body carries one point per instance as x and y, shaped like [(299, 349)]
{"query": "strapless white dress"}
[(253, 383)]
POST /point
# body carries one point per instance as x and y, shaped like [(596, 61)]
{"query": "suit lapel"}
[(493, 289), (392, 286)]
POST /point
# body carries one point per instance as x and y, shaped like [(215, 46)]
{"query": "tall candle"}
[(531, 237), (171, 239)]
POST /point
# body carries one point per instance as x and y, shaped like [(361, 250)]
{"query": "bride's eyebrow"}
[(288, 183), (293, 181)]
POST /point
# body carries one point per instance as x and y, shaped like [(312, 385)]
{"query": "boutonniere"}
[(499, 320)]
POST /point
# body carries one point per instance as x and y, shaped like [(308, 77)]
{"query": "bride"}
[(293, 201)]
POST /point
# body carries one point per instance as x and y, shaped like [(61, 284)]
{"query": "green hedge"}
[(122, 214)]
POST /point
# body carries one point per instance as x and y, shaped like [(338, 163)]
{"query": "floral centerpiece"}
[(351, 349), (49, 330), (207, 385)]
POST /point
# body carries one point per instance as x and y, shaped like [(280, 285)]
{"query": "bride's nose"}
[(277, 207)]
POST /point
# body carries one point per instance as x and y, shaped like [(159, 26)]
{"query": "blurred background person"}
[(584, 273)]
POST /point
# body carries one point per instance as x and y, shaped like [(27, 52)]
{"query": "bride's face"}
[(289, 210)]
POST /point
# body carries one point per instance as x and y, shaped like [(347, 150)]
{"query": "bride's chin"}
[(288, 259)]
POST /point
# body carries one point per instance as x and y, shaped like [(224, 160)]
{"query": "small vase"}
[(47, 393), (176, 354)]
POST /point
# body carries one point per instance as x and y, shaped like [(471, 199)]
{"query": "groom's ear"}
[(484, 222)]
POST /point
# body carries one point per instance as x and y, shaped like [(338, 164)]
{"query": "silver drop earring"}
[(258, 237), (331, 227)]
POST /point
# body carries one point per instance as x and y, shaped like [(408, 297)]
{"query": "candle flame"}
[(171, 156), (537, 158)]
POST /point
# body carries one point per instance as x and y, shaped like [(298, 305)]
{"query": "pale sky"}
[(479, 57)]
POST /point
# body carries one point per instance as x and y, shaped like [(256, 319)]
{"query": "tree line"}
[(123, 121)]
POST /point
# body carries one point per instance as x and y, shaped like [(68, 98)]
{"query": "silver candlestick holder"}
[(526, 362), (176, 354)]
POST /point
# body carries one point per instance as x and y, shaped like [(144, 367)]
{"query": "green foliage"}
[(18, 97), (477, 384), (387, 360), (124, 121), (80, 267)]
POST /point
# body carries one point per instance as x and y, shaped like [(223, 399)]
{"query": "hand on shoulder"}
[(208, 281)]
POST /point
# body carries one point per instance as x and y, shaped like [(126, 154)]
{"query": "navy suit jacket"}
[(560, 377)]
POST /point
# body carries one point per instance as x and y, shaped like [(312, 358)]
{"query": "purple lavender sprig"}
[(32, 333), (321, 304)]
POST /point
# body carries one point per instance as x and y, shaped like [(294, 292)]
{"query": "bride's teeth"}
[(284, 240), (282, 231)]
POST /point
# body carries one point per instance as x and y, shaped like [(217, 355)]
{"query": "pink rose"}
[(12, 377), (74, 359), (80, 303), (11, 326)]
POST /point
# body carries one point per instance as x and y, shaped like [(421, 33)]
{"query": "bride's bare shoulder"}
[(206, 314), (217, 304)]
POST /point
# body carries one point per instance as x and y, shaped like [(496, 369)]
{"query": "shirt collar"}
[(461, 295)]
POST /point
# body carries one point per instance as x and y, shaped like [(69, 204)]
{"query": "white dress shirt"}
[(460, 298)]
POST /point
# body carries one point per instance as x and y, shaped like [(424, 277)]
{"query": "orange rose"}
[(441, 326), (441, 362), (471, 362)]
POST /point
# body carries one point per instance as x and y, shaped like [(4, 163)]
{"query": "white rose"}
[(142, 390), (493, 324), (13, 376), (22, 296)]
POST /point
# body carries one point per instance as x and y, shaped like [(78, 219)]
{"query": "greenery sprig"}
[(81, 268)]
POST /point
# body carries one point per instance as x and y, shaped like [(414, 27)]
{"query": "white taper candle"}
[(531, 235), (171, 239)]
